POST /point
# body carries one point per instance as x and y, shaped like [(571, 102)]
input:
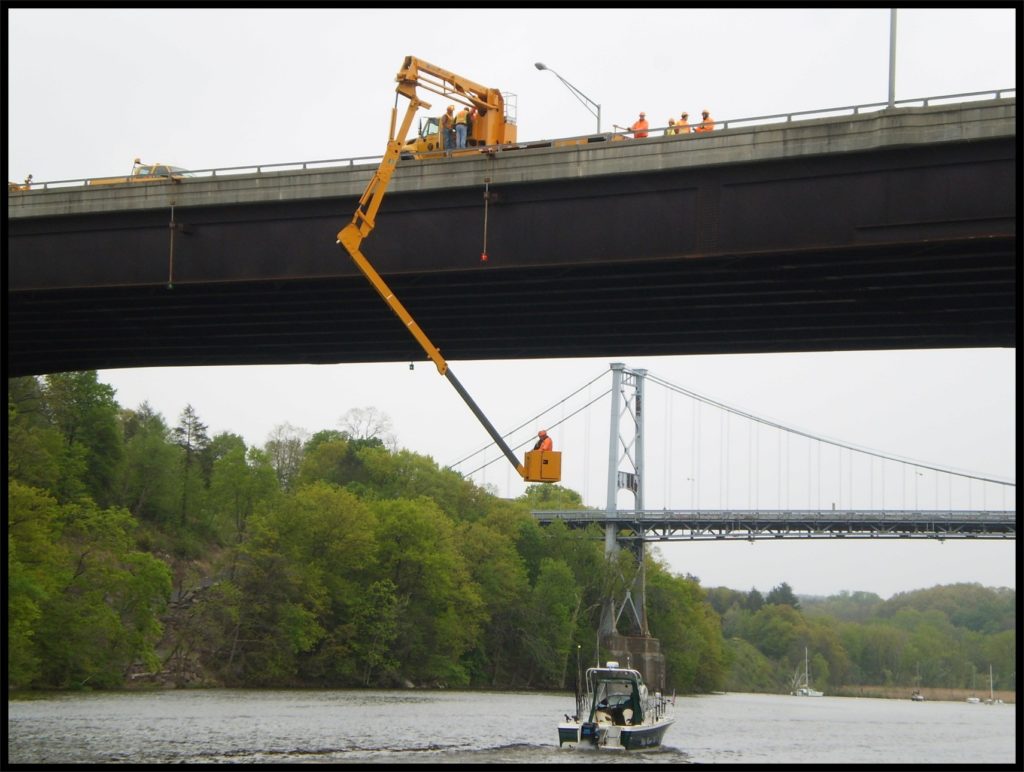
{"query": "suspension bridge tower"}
[(623, 632)]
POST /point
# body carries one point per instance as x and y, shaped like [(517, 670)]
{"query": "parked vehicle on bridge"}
[(13, 187), (144, 173), (538, 465)]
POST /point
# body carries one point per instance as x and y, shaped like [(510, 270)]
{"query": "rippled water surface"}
[(227, 725)]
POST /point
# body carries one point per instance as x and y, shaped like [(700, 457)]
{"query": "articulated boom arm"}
[(417, 72), (352, 235)]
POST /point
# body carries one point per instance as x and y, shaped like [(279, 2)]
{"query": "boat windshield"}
[(616, 701)]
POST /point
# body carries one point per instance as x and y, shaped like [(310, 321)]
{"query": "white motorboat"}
[(617, 711)]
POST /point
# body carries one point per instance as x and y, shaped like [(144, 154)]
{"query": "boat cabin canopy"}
[(618, 693)]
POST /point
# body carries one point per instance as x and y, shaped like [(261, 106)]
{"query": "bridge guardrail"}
[(720, 124), (781, 516)]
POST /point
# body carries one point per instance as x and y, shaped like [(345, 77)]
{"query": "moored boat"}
[(802, 681), (616, 711)]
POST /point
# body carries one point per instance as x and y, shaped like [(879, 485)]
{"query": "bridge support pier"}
[(626, 448), (641, 652)]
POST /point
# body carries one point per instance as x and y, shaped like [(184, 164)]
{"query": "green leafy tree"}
[(551, 496), (754, 600), (775, 629), (417, 552), (549, 640), (782, 594), (86, 605), (375, 617), (750, 670), (83, 410), (403, 474), (240, 481), (191, 436), (847, 606), (688, 628), (499, 572), (971, 606), (34, 446), (33, 558), (303, 566), (149, 485), (722, 599), (331, 460)]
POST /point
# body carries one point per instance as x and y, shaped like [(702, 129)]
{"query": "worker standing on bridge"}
[(671, 130), (639, 128), (461, 127), (447, 127), (708, 124), (683, 127), (543, 441)]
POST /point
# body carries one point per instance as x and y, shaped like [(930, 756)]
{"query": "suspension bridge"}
[(749, 477), (795, 484)]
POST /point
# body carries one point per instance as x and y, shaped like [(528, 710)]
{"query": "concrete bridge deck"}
[(894, 229)]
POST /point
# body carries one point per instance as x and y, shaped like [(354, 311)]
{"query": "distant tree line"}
[(337, 559)]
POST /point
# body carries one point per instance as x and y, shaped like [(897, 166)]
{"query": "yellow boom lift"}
[(538, 465)]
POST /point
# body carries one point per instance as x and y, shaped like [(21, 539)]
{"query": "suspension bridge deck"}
[(750, 524)]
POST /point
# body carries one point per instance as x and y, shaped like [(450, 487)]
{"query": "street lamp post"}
[(587, 102)]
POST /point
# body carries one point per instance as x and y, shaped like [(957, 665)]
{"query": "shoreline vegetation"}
[(935, 694), (154, 554)]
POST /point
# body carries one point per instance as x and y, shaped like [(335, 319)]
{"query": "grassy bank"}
[(937, 693)]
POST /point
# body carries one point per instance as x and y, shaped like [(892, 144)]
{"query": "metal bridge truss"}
[(739, 524)]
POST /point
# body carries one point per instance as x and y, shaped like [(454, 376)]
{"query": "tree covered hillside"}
[(142, 551)]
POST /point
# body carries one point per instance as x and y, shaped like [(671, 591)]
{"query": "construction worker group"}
[(641, 128), (455, 127)]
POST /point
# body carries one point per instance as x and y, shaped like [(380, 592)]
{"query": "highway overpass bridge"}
[(880, 230)]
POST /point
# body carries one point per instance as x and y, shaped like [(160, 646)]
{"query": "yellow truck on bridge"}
[(144, 173)]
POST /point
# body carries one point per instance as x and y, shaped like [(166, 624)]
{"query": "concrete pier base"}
[(638, 652)]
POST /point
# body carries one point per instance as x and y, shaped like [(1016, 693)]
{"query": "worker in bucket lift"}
[(543, 441)]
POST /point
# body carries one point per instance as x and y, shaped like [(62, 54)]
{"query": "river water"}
[(362, 727)]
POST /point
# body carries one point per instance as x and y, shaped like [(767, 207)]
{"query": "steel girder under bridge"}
[(750, 524)]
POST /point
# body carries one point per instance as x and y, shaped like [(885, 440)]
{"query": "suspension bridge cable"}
[(838, 443), (532, 420), (527, 441)]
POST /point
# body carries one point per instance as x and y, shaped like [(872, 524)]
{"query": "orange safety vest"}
[(706, 125), (683, 127), (544, 443), (640, 129), (462, 117)]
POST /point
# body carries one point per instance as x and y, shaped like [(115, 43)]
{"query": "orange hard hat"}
[(705, 111)]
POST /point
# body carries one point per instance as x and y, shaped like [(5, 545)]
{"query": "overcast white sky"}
[(89, 90)]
